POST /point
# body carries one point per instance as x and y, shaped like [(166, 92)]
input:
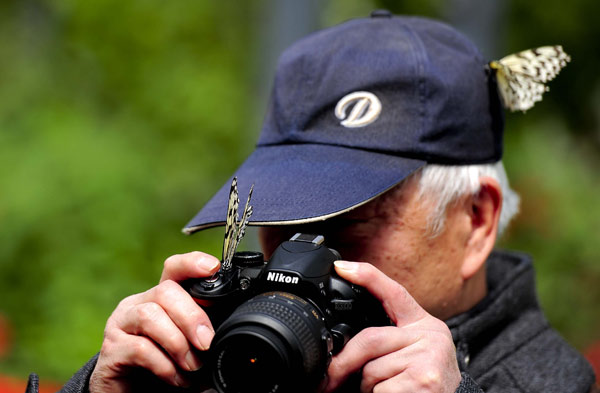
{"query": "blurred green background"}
[(119, 119)]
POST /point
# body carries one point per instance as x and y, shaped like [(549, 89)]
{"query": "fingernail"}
[(192, 361), (347, 266), (205, 335), (208, 263), (181, 381)]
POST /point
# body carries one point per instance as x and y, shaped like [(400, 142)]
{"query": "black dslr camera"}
[(278, 323)]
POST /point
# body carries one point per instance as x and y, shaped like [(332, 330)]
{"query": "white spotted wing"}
[(522, 76), (234, 227)]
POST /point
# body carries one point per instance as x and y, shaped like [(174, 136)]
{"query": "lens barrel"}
[(274, 342)]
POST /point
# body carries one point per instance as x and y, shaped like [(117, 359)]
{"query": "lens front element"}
[(251, 356), (271, 343)]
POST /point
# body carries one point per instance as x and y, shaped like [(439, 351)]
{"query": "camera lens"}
[(271, 343), (250, 360)]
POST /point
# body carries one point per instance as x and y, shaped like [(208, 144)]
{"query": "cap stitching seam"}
[(419, 56)]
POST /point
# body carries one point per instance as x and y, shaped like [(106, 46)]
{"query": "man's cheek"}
[(362, 252)]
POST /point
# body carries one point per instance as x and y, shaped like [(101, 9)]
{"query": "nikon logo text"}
[(278, 277), (366, 108)]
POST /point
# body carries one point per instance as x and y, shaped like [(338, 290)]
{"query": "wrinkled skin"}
[(419, 279)]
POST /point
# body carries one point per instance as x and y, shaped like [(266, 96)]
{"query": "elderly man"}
[(384, 135)]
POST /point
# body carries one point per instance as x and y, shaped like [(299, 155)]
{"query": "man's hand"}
[(156, 330), (415, 355)]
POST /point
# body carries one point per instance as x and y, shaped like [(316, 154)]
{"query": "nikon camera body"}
[(278, 323)]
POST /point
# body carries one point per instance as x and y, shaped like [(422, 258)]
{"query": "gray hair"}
[(443, 185)]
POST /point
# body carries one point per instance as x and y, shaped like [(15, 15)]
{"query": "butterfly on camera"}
[(234, 227)]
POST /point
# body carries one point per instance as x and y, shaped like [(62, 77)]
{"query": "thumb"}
[(400, 306)]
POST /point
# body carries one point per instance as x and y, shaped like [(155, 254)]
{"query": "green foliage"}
[(118, 120), (559, 223)]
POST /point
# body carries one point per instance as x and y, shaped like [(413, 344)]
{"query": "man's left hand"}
[(415, 355)]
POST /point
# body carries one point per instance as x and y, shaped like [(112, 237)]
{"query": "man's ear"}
[(484, 214)]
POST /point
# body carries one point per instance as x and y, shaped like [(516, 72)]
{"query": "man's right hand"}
[(158, 330)]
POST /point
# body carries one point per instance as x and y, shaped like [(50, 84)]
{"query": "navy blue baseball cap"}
[(358, 107)]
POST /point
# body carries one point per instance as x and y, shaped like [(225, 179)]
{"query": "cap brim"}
[(302, 183)]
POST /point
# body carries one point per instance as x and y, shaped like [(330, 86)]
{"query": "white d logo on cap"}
[(365, 111)]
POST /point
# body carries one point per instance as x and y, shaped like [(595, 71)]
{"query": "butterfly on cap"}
[(522, 76), (234, 227)]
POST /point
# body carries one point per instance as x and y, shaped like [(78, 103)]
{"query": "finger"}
[(427, 365), (152, 321), (397, 384), (368, 344), (400, 383), (400, 306), (381, 369), (191, 265), (183, 311), (139, 351)]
